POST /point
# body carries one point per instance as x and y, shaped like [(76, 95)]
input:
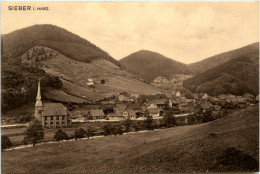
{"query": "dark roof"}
[(153, 110), (115, 114), (134, 106), (162, 101), (96, 112), (54, 109), (131, 112)]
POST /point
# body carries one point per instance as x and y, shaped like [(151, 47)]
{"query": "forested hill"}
[(71, 45), (216, 60), (149, 65), (237, 76)]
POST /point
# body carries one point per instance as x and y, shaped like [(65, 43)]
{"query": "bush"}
[(149, 123), (120, 130), (107, 130), (79, 133), (169, 118), (90, 132), (5, 142), (60, 135), (127, 123)]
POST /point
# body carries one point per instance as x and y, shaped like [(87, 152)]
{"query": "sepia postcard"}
[(129, 86)]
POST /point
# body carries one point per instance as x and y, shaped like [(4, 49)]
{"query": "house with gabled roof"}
[(155, 112), (96, 114), (115, 116)]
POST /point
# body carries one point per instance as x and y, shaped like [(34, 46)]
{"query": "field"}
[(16, 135), (194, 148), (74, 75)]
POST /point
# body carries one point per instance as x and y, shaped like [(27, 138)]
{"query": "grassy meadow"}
[(193, 148)]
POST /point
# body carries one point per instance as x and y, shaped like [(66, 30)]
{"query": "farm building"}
[(130, 113), (96, 114), (155, 112), (52, 115), (115, 116)]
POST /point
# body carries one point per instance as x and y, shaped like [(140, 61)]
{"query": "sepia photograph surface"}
[(129, 87)]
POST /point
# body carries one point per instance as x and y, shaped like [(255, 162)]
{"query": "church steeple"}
[(38, 98), (38, 104)]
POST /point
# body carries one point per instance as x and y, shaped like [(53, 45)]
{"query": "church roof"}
[(54, 109)]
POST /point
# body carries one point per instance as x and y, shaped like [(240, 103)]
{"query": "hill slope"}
[(182, 149), (70, 60), (18, 42), (216, 60), (150, 65), (237, 76)]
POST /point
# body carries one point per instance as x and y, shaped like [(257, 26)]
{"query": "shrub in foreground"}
[(5, 142), (79, 133), (60, 135)]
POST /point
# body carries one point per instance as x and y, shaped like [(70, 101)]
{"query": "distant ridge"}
[(237, 76), (149, 65), (216, 60)]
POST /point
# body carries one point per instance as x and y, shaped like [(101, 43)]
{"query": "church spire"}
[(38, 98)]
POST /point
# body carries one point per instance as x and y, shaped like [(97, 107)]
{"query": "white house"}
[(90, 82)]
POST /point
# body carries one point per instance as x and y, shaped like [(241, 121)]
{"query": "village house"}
[(249, 97), (120, 107), (178, 94), (130, 113), (51, 115), (115, 116), (161, 103), (155, 112), (204, 95), (96, 114), (122, 98), (90, 82)]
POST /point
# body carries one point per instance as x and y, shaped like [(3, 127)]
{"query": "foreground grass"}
[(181, 149)]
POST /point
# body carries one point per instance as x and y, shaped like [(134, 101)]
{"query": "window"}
[(39, 112), (51, 122), (57, 122), (63, 117), (63, 122), (57, 118), (45, 118), (51, 117)]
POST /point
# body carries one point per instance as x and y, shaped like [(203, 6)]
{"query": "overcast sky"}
[(184, 31)]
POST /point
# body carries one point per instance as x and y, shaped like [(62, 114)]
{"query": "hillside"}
[(150, 65), (237, 76), (52, 53), (20, 41), (216, 60), (198, 148)]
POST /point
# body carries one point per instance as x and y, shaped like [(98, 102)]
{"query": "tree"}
[(89, 132), (34, 133), (169, 118), (5, 142), (127, 124), (119, 130), (107, 129), (79, 133), (149, 123), (60, 135)]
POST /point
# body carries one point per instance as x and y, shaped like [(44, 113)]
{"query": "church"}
[(51, 115)]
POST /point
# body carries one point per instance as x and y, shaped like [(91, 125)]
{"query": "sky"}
[(184, 31)]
